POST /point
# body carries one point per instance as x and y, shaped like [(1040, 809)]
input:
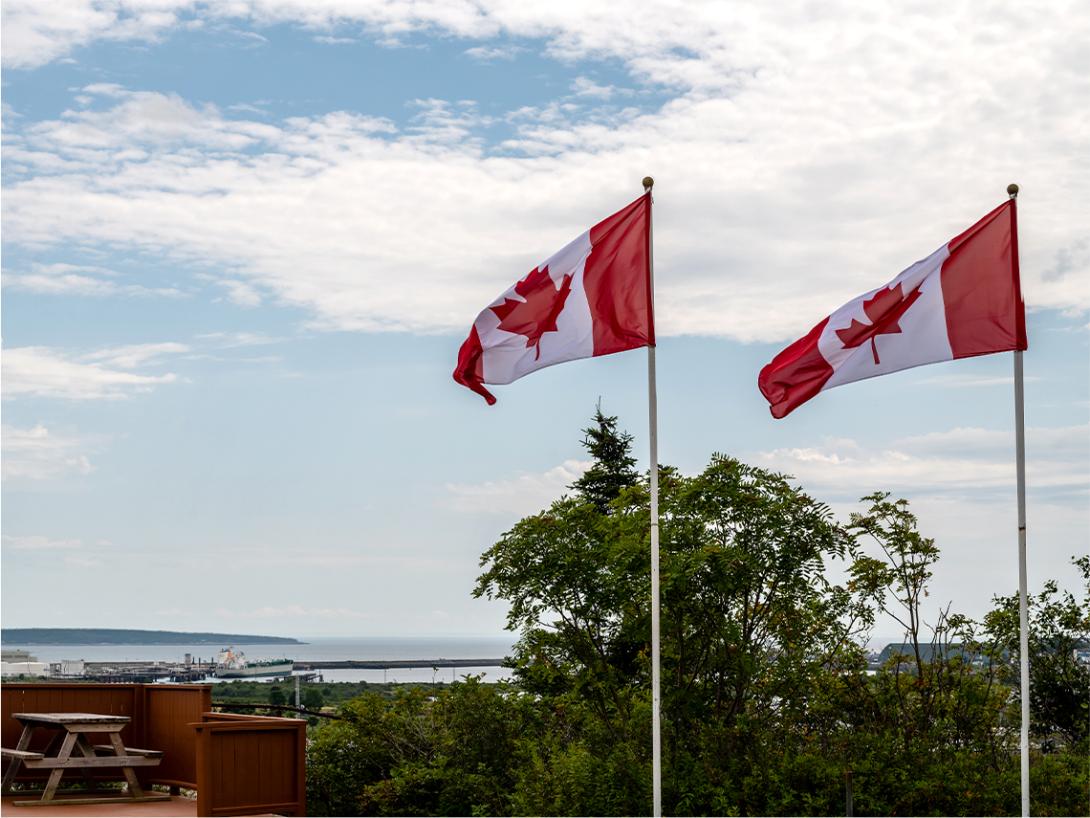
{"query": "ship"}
[(232, 664)]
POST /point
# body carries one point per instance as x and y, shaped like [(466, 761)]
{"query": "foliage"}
[(1059, 684), (613, 468), (315, 695), (768, 700), (312, 698), (447, 753)]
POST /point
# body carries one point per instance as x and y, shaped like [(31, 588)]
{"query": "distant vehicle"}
[(234, 665)]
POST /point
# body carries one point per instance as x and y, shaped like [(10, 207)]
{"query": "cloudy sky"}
[(242, 242)]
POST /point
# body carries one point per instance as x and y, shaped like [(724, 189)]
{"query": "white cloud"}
[(486, 53), (36, 542), (241, 293), (441, 122), (252, 36), (132, 356), (78, 279), (586, 87), (808, 155), (35, 33), (229, 340), (961, 486), (100, 375), (35, 453), (957, 462), (139, 120), (522, 494)]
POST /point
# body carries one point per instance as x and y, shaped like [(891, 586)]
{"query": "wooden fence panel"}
[(249, 765), (113, 700), (169, 712)]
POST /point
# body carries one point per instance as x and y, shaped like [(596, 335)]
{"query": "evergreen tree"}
[(614, 465)]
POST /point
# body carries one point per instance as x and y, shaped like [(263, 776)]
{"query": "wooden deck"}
[(174, 808)]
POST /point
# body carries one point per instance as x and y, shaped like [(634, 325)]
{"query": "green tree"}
[(928, 730), (613, 468), (576, 578), (749, 623), (276, 696), (455, 752), (747, 617), (1059, 683), (313, 698)]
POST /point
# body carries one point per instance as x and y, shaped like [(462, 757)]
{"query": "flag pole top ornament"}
[(648, 183), (1012, 190)]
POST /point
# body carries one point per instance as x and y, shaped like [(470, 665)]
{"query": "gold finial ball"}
[(1012, 190), (648, 183)]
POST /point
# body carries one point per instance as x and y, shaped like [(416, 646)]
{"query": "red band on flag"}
[(796, 374), (981, 289), (469, 371), (618, 280)]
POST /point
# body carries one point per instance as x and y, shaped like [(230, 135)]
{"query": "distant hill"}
[(116, 636)]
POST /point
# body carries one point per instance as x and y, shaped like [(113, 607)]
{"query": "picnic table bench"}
[(70, 734)]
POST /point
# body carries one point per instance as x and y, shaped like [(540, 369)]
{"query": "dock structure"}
[(135, 672), (197, 671), (395, 664)]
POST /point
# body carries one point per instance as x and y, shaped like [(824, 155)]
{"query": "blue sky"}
[(242, 243)]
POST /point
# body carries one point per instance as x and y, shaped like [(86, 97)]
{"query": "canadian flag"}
[(962, 300), (591, 298)]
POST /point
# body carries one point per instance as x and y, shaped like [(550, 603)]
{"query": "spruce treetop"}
[(614, 466)]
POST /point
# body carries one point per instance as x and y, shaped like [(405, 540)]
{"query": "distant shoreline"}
[(119, 636)]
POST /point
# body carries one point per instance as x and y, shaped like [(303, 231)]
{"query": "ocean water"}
[(316, 649)]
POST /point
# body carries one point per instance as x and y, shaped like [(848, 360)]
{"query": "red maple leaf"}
[(537, 313), (884, 310)]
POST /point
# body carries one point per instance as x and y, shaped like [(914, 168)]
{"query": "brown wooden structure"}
[(250, 765), (73, 752), (239, 765)]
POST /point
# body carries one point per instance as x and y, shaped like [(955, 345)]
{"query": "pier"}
[(197, 671), (392, 664)]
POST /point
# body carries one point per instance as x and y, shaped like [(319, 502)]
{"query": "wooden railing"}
[(251, 765), (169, 712), (239, 765)]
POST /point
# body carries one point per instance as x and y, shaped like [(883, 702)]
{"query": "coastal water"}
[(316, 649)]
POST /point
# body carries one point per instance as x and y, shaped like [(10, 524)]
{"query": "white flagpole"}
[(1023, 606), (653, 422), (1023, 612)]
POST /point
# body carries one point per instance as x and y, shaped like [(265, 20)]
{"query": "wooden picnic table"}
[(70, 734)]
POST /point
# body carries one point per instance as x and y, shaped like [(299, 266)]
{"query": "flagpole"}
[(1023, 605), (653, 422)]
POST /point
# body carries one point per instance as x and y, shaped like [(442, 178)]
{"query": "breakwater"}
[(394, 664)]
